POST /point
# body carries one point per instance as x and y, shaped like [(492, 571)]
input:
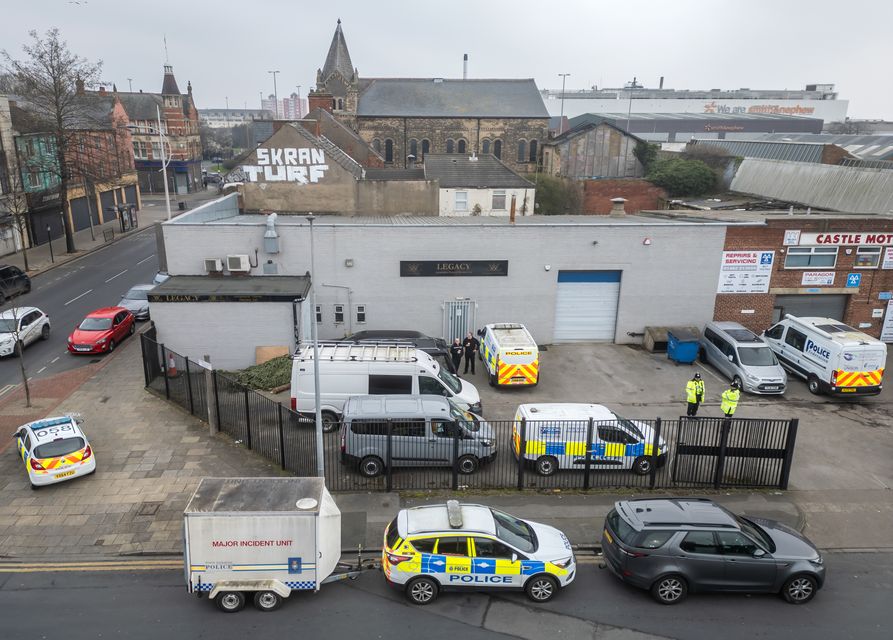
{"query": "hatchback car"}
[(101, 331), (21, 326), (470, 546), (136, 301), (13, 281), (54, 450), (673, 546)]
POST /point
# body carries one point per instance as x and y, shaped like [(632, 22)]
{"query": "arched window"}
[(497, 148), (533, 150), (376, 144), (450, 146), (460, 146), (341, 104), (388, 150), (485, 146), (334, 104), (414, 148), (522, 151), (426, 147)]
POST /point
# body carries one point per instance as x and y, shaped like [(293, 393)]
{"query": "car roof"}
[(17, 312), (105, 312), (674, 512), (567, 411), (38, 429), (434, 518), (737, 332)]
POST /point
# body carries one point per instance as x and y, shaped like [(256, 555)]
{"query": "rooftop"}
[(772, 150), (485, 171), (231, 289), (255, 495)]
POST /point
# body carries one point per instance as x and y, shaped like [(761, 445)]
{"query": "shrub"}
[(682, 177)]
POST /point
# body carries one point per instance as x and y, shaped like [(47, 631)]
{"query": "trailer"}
[(263, 538)]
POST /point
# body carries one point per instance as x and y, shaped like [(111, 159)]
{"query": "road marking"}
[(116, 275), (79, 297), (41, 370), (53, 361), (144, 259), (7, 389), (127, 565)]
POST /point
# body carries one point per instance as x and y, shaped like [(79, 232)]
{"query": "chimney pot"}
[(617, 208)]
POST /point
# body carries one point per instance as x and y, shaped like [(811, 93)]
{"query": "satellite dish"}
[(306, 504)]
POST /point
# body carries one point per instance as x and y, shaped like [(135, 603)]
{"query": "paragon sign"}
[(287, 165), (428, 268)]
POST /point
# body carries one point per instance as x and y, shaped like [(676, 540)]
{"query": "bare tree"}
[(15, 203), (12, 327), (48, 79)]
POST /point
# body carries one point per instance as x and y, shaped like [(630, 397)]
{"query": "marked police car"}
[(452, 545), (54, 450)]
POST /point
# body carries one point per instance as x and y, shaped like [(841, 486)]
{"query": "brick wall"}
[(640, 194)]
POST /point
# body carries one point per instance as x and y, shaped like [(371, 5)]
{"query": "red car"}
[(101, 331)]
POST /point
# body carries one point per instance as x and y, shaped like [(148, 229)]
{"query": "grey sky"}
[(226, 48)]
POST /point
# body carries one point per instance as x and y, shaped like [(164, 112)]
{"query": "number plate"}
[(65, 475), (608, 537), (772, 387), (848, 391), (83, 348)]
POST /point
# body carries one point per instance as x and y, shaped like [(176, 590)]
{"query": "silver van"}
[(424, 431), (742, 356)]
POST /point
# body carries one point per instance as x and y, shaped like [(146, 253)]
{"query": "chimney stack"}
[(512, 211), (79, 87), (465, 67), (661, 83), (617, 208)]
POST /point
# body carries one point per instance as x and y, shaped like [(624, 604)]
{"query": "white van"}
[(831, 356), (510, 354), (556, 435), (347, 370)]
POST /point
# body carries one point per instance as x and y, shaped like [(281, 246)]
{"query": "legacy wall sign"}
[(429, 268)]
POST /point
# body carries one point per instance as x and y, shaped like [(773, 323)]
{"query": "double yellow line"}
[(99, 565)]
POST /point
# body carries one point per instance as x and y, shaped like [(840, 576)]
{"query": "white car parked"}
[(20, 326), (54, 450)]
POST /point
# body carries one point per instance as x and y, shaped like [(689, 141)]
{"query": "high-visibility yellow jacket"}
[(694, 391), (730, 401)]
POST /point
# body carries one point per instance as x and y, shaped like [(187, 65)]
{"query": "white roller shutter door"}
[(586, 306)]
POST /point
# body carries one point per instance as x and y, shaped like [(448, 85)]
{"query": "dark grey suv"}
[(672, 546), (13, 281)]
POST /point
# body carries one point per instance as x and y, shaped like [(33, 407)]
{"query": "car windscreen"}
[(58, 448), (757, 357), (95, 324), (7, 325), (452, 382), (515, 532), (137, 294), (756, 532), (464, 418), (631, 426)]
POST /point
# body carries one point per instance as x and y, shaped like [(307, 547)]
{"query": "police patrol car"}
[(54, 450), (435, 547)]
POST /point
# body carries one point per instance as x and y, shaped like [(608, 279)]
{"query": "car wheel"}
[(467, 464), (670, 589), (267, 600), (491, 378), (799, 589), (34, 487), (371, 466), (422, 590), (230, 601), (812, 383), (329, 422), (45, 332), (132, 329), (546, 465), (642, 466), (541, 588), (111, 345)]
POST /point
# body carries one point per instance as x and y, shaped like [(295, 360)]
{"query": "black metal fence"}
[(385, 455)]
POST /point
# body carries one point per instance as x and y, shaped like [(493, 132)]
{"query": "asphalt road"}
[(154, 604), (70, 291)]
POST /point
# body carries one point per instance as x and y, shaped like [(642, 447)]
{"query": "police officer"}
[(471, 346), (730, 400), (694, 393), (456, 353)]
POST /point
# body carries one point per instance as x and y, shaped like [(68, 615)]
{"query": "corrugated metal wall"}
[(817, 185)]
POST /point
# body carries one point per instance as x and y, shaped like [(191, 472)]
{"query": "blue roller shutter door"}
[(586, 306)]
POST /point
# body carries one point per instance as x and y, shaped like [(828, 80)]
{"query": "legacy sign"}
[(423, 268), (877, 239), (287, 165)]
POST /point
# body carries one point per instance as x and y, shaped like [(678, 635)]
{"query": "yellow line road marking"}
[(127, 565)]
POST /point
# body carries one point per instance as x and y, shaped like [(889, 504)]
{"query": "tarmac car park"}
[(54, 450)]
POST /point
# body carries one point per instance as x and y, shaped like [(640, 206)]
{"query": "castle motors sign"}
[(288, 164), (871, 238), (427, 268)]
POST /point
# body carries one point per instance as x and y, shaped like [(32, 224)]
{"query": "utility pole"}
[(130, 84), (320, 460), (275, 92), (561, 119), (630, 109)]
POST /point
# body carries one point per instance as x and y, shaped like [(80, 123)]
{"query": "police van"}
[(510, 354), (831, 356), (556, 436), (469, 546)]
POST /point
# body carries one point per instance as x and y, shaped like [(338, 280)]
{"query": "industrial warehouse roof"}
[(866, 147), (231, 288), (791, 151), (476, 172), (683, 117), (446, 98)]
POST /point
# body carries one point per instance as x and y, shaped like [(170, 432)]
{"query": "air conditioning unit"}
[(238, 264), (213, 265)]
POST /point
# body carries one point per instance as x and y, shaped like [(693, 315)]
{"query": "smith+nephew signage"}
[(429, 268)]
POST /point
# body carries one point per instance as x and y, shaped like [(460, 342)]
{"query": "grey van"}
[(424, 431), (742, 356)]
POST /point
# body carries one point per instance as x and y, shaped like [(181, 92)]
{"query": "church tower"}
[(337, 83)]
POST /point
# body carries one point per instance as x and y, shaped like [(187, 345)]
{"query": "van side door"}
[(610, 447), (409, 444), (442, 441), (429, 386), (792, 351)]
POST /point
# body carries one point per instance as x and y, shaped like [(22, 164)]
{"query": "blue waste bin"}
[(682, 346)]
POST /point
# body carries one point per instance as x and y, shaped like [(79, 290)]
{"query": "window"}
[(341, 104), (450, 146), (533, 150), (461, 201), (156, 150), (34, 178), (385, 384), (414, 148), (139, 150), (522, 151), (498, 199), (806, 257), (369, 427), (460, 146), (488, 548), (334, 105), (388, 150), (699, 542), (613, 434), (318, 314), (497, 149), (408, 428), (376, 145), (485, 146), (453, 546), (339, 313), (430, 386), (426, 147), (867, 257), (775, 332), (361, 313), (443, 428), (425, 545), (732, 543), (795, 339)]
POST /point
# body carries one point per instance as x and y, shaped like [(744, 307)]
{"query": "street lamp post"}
[(561, 119), (164, 163), (630, 109), (275, 92), (320, 462), (50, 242)]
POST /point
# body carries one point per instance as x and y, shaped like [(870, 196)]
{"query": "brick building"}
[(406, 118)]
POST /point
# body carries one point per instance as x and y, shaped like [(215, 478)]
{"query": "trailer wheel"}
[(230, 601), (371, 466), (267, 600)]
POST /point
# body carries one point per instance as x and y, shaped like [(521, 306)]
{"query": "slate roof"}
[(89, 112), (454, 170), (584, 126), (446, 98), (338, 58), (169, 85), (141, 106)]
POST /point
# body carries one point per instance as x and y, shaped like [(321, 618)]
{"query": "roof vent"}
[(454, 514)]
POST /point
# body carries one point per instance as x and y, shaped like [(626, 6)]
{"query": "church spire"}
[(169, 85), (338, 58)]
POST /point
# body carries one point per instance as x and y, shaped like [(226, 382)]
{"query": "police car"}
[(54, 450), (454, 546)]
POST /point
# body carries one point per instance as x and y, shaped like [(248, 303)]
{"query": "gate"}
[(458, 319)]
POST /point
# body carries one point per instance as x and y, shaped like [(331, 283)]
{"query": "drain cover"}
[(148, 509)]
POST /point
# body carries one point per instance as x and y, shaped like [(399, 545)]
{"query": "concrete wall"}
[(671, 281), (396, 197), (640, 195), (227, 331), (484, 198)]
